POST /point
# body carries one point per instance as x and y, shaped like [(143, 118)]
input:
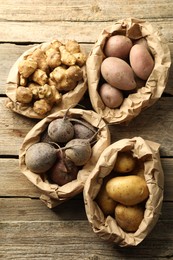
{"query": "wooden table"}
[(28, 229)]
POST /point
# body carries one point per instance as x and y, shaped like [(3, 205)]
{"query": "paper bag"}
[(145, 96), (107, 227), (69, 99), (52, 193)]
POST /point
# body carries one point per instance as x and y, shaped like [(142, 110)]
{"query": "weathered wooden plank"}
[(76, 240), (83, 11), (14, 184), (12, 31), (14, 127), (28, 209), (155, 124)]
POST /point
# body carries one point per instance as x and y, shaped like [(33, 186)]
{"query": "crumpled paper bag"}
[(106, 227), (52, 193), (156, 83), (69, 99)]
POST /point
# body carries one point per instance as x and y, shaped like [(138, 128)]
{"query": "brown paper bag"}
[(52, 193), (69, 99), (106, 227), (156, 83)]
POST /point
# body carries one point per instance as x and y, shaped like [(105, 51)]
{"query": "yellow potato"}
[(127, 190), (141, 61), (118, 73), (125, 162), (129, 217), (106, 204), (111, 97), (118, 46)]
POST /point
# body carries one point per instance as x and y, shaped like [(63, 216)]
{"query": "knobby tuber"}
[(58, 66)]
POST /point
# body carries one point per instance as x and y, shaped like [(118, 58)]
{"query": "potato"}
[(118, 73), (129, 217), (106, 204), (127, 190), (111, 97), (141, 61), (118, 46), (125, 162)]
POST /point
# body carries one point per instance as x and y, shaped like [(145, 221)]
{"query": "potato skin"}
[(111, 97), (106, 204), (118, 73), (129, 217), (127, 190), (125, 162), (141, 61), (118, 46)]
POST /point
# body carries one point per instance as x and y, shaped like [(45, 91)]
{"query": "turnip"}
[(83, 130), (40, 157), (61, 130), (78, 151), (63, 171)]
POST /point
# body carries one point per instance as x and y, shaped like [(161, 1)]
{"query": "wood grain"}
[(75, 240), (83, 11), (29, 229), (155, 124), (85, 32), (10, 172)]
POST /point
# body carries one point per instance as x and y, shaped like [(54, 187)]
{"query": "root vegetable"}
[(63, 171), (118, 46), (41, 107), (40, 77), (22, 81), (125, 162), (127, 190), (39, 56), (111, 97), (53, 58), (27, 67), (80, 58), (72, 46), (55, 44), (83, 130), (141, 61), (78, 151), (66, 57), (61, 130), (106, 203), (23, 95), (40, 157), (66, 79), (129, 217), (118, 73)]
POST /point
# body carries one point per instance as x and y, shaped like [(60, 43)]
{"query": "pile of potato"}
[(46, 74), (124, 192), (126, 67)]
